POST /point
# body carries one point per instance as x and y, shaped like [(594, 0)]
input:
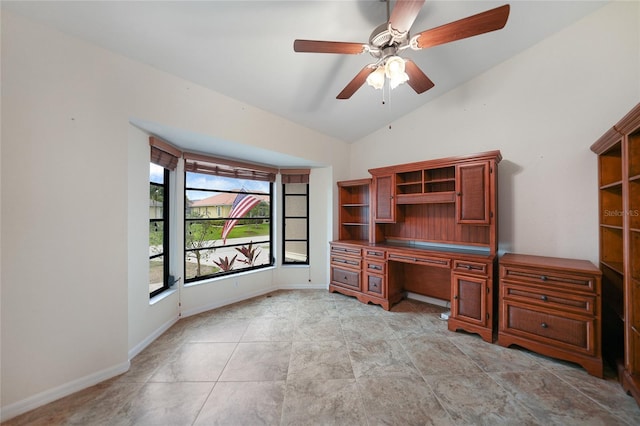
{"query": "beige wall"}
[(542, 109), (73, 311)]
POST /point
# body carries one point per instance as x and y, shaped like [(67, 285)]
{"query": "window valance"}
[(295, 175), (199, 163), (163, 153)]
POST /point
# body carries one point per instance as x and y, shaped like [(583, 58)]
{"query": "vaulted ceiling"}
[(244, 49)]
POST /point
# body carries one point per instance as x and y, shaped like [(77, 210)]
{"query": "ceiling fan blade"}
[(417, 79), (404, 14), (317, 46), (356, 83), (481, 23)]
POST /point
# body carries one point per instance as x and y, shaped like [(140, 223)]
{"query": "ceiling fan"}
[(392, 37)]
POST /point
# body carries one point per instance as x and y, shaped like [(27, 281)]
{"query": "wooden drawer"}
[(548, 278), (375, 285), (567, 302), (346, 261), (468, 267), (346, 250), (421, 260), (572, 332), (375, 254), (374, 266), (345, 277)]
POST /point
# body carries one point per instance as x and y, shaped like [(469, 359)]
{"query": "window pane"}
[(295, 229), (295, 206), (295, 223), (158, 229), (295, 251), (156, 237), (202, 233), (156, 201), (227, 226), (295, 188), (156, 273), (156, 173), (202, 181), (199, 263)]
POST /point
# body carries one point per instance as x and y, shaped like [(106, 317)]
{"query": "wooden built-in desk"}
[(383, 274), (428, 228)]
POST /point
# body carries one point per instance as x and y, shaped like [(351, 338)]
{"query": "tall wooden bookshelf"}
[(619, 226), (353, 201)]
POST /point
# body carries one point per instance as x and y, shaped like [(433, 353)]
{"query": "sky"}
[(196, 180)]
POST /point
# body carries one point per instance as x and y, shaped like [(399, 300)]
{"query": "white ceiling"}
[(244, 49)]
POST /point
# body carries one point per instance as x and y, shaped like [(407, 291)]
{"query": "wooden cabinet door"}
[(469, 299), (473, 192), (385, 205)]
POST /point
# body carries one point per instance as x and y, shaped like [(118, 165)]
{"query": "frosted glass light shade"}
[(376, 78)]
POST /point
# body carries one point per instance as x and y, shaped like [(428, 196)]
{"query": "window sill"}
[(157, 298), (228, 277)]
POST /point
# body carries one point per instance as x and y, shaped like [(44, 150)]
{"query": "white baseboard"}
[(58, 392), (150, 338), (225, 302), (67, 389)]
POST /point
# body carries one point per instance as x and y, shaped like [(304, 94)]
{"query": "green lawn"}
[(215, 232)]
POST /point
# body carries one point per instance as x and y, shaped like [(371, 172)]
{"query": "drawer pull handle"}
[(543, 298), (544, 325), (468, 267), (543, 277), (455, 297)]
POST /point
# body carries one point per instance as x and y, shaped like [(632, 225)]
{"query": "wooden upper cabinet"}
[(385, 205), (448, 200), (472, 191)]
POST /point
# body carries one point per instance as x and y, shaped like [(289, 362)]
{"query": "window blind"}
[(295, 175), (163, 153), (216, 166)]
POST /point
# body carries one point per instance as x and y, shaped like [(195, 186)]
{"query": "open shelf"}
[(611, 165), (353, 200), (633, 147), (635, 302), (426, 186), (634, 204), (611, 247), (613, 290), (611, 211), (440, 180), (634, 250)]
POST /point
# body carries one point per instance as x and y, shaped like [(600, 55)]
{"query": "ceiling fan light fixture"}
[(376, 78), (394, 69), (393, 66)]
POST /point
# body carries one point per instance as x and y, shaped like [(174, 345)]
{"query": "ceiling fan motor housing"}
[(383, 42)]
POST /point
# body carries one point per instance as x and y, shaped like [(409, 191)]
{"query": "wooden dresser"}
[(552, 306), (428, 228)]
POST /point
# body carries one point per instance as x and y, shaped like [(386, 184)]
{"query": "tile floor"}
[(313, 358)]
